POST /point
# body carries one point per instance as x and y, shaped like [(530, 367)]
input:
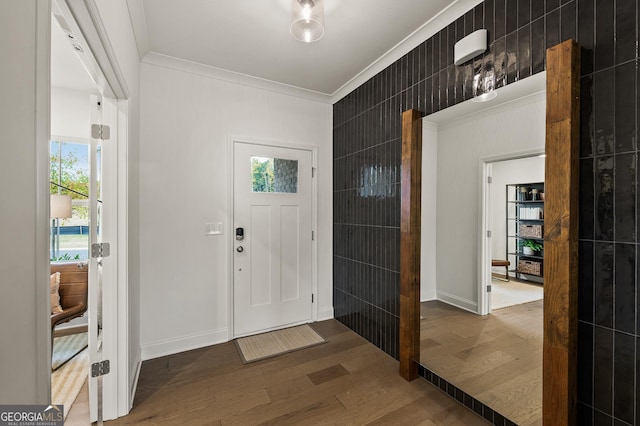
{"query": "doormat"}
[(68, 379), (267, 345)]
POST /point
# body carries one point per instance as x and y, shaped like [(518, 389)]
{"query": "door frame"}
[(83, 19), (232, 140), (484, 249)]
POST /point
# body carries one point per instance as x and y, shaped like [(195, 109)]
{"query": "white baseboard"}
[(184, 343), (458, 302), (325, 314)]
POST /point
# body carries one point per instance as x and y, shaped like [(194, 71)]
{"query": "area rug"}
[(67, 381), (505, 294), (267, 345)]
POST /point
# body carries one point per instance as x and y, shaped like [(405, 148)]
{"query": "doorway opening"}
[(514, 216)]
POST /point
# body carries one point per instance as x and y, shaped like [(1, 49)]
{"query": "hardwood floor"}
[(496, 358), (344, 381)]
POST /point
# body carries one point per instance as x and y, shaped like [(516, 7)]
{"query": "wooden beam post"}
[(559, 401), (410, 243)]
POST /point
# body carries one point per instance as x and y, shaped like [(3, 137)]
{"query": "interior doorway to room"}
[(272, 249), (514, 217), (83, 216)]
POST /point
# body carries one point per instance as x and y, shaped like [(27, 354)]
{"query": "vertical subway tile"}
[(625, 29), (451, 41), (489, 20), (587, 201), (459, 28), (551, 5), (625, 288), (512, 54), (524, 52), (604, 197), (603, 370), (552, 23), (436, 52), (428, 57), (587, 119), (625, 197), (500, 26), (478, 16), (459, 84), (603, 289), (585, 278), (625, 107), (586, 34), (499, 63), (451, 85), (538, 50), (468, 22), (624, 369), (604, 91), (604, 43), (524, 12), (537, 9), (585, 363), (443, 49), (512, 16), (421, 61), (436, 91), (568, 21)]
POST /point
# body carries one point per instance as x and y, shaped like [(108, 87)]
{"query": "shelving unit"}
[(525, 222)]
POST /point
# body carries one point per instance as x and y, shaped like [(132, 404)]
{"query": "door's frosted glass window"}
[(274, 175)]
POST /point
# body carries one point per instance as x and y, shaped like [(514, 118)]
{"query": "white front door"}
[(272, 237)]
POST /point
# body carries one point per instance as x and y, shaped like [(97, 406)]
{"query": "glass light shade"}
[(60, 206), (307, 20), (484, 86)]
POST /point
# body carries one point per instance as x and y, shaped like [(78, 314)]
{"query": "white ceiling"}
[(252, 37), (66, 69)]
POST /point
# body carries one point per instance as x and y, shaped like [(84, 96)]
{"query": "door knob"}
[(240, 249)]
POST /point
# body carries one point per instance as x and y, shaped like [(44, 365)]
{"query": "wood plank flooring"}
[(346, 381), (496, 358)]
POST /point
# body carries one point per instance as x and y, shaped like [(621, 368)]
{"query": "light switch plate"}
[(216, 228)]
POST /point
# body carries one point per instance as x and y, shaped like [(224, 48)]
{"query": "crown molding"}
[(171, 62)]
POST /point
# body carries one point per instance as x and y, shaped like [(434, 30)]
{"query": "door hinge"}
[(313, 172), (100, 250), (488, 234), (100, 368), (489, 288), (100, 131), (311, 297), (489, 179)]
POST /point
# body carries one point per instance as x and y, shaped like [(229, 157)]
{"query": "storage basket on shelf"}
[(530, 267), (532, 231)]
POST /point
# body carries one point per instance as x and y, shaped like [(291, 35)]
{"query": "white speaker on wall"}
[(470, 46)]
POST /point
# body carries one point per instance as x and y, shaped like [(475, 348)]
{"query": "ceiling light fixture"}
[(307, 20)]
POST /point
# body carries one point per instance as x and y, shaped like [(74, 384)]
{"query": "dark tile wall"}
[(367, 149)]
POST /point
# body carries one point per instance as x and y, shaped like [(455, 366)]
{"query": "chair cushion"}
[(54, 283)]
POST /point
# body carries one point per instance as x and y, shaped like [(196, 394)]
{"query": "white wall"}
[(510, 129), (70, 115), (428, 222), (24, 118), (522, 170), (186, 122)]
